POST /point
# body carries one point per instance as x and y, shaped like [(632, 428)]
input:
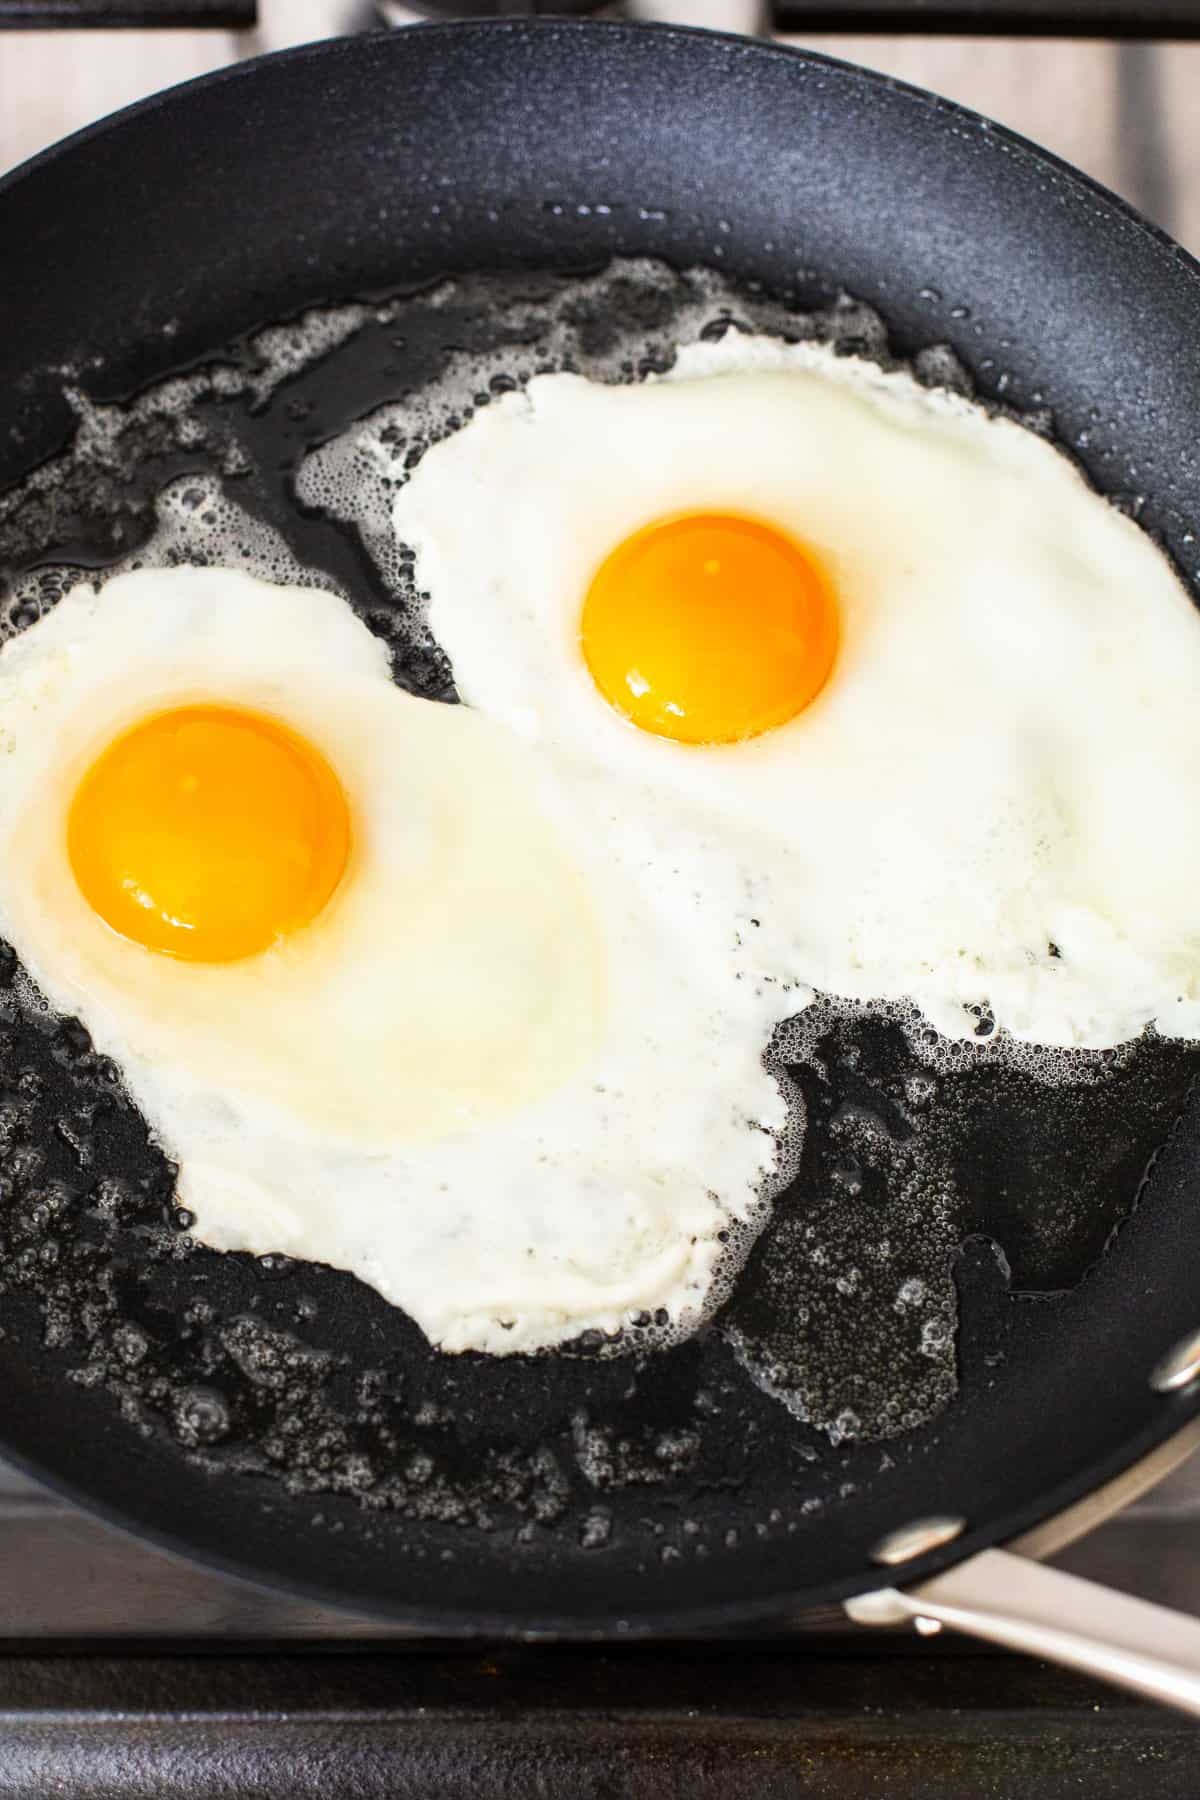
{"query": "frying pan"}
[(367, 166)]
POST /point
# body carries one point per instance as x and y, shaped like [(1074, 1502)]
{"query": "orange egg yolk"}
[(208, 833), (709, 627)]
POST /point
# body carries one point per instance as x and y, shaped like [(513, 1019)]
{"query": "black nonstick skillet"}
[(665, 1493)]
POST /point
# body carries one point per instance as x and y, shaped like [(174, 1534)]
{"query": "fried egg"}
[(887, 654), (388, 985)]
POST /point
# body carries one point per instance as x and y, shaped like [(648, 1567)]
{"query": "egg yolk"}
[(709, 627), (208, 833)]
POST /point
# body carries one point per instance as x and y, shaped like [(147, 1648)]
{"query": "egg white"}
[(495, 1078), (992, 803)]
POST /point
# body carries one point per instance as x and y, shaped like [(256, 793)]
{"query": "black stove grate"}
[(739, 1723)]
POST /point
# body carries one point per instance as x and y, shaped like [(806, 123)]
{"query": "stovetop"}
[(127, 1672)]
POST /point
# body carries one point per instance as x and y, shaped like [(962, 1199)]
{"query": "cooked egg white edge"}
[(308, 1096), (993, 802)]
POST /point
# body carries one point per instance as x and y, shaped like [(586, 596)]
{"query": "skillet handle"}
[(1045, 1612)]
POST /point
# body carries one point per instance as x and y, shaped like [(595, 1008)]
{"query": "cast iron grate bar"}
[(1016, 18), (26, 15)]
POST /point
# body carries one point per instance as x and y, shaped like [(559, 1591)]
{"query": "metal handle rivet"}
[(917, 1539), (1179, 1367)]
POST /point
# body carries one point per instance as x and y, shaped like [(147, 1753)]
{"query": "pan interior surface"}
[(668, 1490)]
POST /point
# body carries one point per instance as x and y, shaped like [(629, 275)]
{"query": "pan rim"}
[(781, 1610), (781, 1607), (329, 48)]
